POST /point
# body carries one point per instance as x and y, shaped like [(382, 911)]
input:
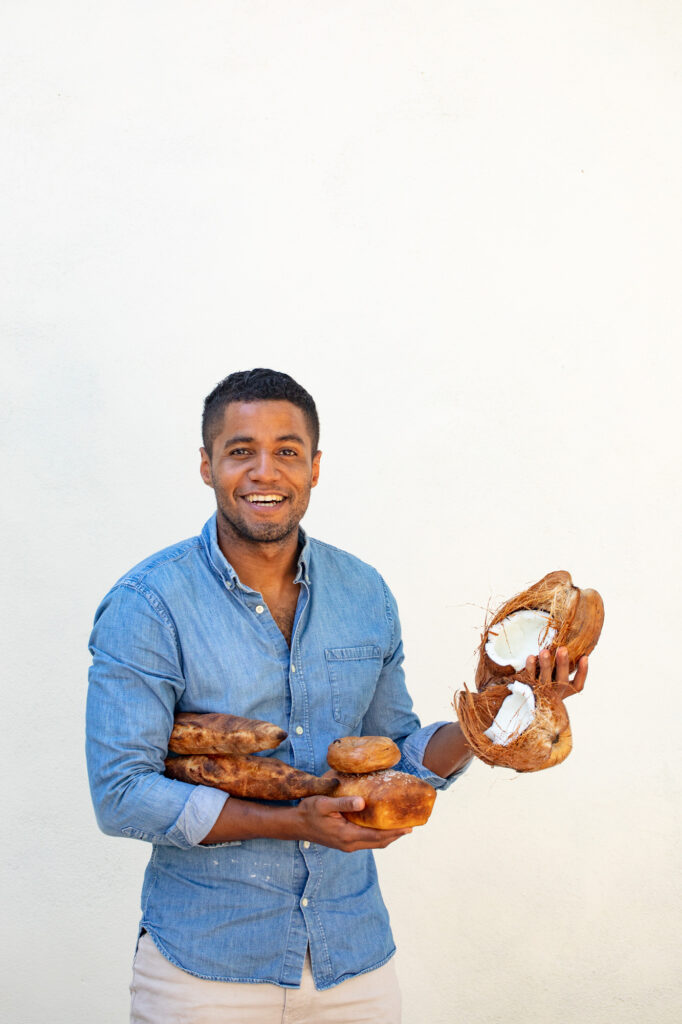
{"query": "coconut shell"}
[(547, 740), (576, 615), (585, 627)]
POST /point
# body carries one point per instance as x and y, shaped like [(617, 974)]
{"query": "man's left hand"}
[(563, 687)]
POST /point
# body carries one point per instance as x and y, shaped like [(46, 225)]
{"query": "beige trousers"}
[(162, 993)]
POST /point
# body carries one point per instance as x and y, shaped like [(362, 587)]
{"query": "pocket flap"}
[(352, 653)]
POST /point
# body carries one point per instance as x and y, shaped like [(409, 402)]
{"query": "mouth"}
[(269, 500)]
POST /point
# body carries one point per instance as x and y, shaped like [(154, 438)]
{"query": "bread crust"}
[(215, 733), (392, 799), (257, 778), (362, 754)]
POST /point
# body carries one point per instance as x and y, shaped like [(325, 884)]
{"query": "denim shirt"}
[(180, 632)]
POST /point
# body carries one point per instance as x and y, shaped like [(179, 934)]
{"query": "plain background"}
[(458, 225)]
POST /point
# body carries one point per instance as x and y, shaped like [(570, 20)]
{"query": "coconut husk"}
[(576, 615), (546, 742)]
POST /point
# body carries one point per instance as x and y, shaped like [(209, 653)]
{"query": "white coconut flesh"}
[(522, 633), (516, 713)]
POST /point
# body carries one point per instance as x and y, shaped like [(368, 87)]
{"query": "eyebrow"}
[(238, 439), (243, 439), (291, 437)]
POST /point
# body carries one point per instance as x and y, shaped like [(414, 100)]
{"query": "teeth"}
[(260, 499)]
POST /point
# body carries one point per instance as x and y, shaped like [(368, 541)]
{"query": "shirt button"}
[(306, 845), (304, 901), (299, 730), (259, 609), (293, 669)]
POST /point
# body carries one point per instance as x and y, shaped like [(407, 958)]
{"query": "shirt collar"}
[(303, 557), (209, 537)]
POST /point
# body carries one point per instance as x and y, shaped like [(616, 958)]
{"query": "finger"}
[(562, 665), (383, 843), (367, 834), (545, 659), (581, 674), (382, 835), (564, 690), (530, 665), (339, 804), (378, 839)]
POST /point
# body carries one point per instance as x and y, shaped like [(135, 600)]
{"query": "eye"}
[(288, 451), (239, 451)]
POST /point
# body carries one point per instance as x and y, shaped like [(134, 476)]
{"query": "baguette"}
[(257, 778), (392, 799), (215, 733)]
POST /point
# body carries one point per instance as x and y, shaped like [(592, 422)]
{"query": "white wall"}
[(458, 225)]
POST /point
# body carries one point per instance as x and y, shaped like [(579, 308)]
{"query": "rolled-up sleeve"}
[(391, 713), (135, 682)]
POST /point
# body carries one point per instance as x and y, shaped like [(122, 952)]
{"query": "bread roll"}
[(215, 733), (392, 799), (260, 778), (361, 754)]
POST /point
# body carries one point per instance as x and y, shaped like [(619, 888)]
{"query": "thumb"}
[(339, 804)]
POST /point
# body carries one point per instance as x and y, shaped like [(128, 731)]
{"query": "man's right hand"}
[(317, 819), (321, 821)]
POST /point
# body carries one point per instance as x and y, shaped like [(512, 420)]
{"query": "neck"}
[(263, 566)]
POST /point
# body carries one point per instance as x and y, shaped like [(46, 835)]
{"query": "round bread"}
[(362, 754), (392, 799)]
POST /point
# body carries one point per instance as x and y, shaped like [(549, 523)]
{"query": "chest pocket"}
[(353, 674)]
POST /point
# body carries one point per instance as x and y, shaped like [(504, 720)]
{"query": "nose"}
[(263, 468)]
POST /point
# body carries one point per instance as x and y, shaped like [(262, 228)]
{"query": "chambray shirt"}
[(180, 632)]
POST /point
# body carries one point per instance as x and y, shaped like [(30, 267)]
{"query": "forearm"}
[(447, 751), (315, 819), (246, 819)]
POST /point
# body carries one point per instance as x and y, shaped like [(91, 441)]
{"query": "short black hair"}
[(258, 385)]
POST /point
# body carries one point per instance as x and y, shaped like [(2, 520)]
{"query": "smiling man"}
[(261, 460), (254, 911)]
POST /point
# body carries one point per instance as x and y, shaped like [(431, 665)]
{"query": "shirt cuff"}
[(197, 817), (412, 760)]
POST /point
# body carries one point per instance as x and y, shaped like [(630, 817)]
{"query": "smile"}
[(264, 500)]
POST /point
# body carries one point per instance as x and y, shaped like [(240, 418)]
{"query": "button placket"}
[(299, 730), (303, 750)]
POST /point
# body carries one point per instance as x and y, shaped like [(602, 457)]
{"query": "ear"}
[(315, 474), (205, 468)]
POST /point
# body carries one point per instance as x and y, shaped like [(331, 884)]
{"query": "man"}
[(253, 910)]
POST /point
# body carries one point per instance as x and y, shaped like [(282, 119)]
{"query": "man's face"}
[(261, 468)]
